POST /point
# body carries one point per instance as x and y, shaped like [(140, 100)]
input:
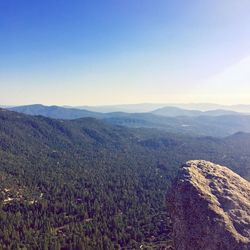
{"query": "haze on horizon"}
[(117, 52)]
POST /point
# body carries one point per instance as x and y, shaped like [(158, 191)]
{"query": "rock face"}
[(210, 208)]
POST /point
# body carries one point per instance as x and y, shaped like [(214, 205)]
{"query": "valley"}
[(86, 182)]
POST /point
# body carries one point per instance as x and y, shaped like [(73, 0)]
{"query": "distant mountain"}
[(128, 108), (200, 106), (242, 108), (174, 111), (205, 125), (220, 112), (149, 107), (55, 111)]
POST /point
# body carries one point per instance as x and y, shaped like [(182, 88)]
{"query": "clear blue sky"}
[(124, 51)]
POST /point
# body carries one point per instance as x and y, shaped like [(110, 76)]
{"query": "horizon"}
[(118, 53), (124, 104), (146, 105), (127, 104)]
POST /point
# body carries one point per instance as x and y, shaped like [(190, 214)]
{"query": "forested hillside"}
[(86, 184)]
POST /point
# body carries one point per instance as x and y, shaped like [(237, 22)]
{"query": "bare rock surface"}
[(210, 208)]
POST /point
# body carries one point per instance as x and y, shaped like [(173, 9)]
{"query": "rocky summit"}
[(210, 208)]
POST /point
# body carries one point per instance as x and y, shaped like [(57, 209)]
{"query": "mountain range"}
[(175, 111), (171, 119), (149, 107)]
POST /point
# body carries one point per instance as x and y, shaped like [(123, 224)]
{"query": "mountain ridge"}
[(214, 125), (175, 111)]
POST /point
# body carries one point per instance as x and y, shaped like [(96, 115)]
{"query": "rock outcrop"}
[(210, 208)]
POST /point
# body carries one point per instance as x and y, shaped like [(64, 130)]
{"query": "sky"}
[(100, 52)]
